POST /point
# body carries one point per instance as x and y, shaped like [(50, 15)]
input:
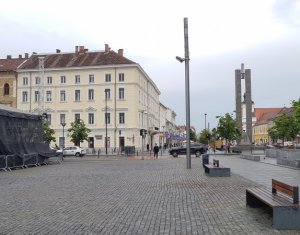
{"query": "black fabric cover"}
[(22, 138)]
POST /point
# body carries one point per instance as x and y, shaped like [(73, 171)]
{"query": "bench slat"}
[(282, 185), (270, 199), (287, 189)]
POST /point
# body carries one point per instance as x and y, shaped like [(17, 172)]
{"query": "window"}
[(107, 118), (24, 96), (77, 116), (62, 79), (107, 94), (91, 118), (121, 77), (6, 89), (77, 95), (37, 80), (62, 96), (36, 96), (122, 118), (62, 118), (25, 80), (48, 96), (91, 94), (49, 118), (121, 93), (77, 78), (108, 77), (49, 80), (91, 78)]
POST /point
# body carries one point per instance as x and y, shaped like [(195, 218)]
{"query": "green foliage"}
[(204, 136), (296, 112), (273, 133), (285, 127), (227, 128), (49, 133), (78, 132), (192, 135)]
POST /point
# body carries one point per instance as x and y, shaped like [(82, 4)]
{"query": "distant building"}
[(8, 79), (264, 121), (109, 92)]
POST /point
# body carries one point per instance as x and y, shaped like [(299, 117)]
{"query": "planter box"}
[(251, 157), (288, 162)]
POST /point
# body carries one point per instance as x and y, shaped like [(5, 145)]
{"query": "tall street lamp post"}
[(63, 125), (186, 59), (105, 91)]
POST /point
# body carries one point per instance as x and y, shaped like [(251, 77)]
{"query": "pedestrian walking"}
[(155, 151)]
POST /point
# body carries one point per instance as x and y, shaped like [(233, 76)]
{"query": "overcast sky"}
[(262, 34)]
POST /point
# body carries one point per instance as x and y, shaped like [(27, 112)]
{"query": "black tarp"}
[(22, 138)]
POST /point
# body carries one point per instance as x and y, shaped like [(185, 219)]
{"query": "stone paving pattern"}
[(128, 196)]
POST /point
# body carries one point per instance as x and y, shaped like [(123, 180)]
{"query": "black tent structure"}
[(22, 139)]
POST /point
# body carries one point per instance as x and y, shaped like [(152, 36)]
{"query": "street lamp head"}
[(179, 59), (63, 124)]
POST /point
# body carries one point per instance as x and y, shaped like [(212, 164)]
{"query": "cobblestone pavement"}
[(128, 196)]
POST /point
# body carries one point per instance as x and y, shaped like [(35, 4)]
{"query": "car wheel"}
[(198, 153), (77, 154), (175, 154)]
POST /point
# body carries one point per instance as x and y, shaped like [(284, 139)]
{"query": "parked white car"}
[(73, 151)]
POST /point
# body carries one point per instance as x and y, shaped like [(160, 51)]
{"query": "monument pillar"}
[(242, 74)]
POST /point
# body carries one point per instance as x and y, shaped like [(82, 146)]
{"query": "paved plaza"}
[(119, 195)]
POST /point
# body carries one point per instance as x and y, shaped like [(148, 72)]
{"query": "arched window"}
[(6, 89)]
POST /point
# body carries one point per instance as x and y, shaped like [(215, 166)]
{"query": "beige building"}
[(8, 80), (81, 84), (263, 124)]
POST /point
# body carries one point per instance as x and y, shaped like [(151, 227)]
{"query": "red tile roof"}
[(76, 59), (264, 114), (10, 64)]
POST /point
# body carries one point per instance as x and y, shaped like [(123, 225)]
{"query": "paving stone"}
[(130, 196)]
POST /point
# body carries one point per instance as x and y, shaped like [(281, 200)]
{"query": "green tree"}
[(192, 135), (204, 136), (78, 132), (296, 112), (273, 133), (286, 127), (49, 133), (227, 128)]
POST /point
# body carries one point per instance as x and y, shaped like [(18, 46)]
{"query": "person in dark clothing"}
[(155, 151)]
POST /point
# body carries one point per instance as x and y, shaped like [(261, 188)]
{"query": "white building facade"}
[(112, 95)]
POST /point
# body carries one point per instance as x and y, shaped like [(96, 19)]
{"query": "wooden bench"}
[(215, 170), (283, 200)]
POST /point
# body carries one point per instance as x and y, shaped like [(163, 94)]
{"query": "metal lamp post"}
[(63, 125), (105, 91), (186, 59)]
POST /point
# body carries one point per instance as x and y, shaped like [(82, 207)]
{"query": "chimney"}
[(76, 49), (107, 48), (81, 49), (20, 56), (8, 57), (120, 52), (57, 51), (26, 55)]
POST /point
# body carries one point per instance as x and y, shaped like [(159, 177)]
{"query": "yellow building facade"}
[(8, 78)]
